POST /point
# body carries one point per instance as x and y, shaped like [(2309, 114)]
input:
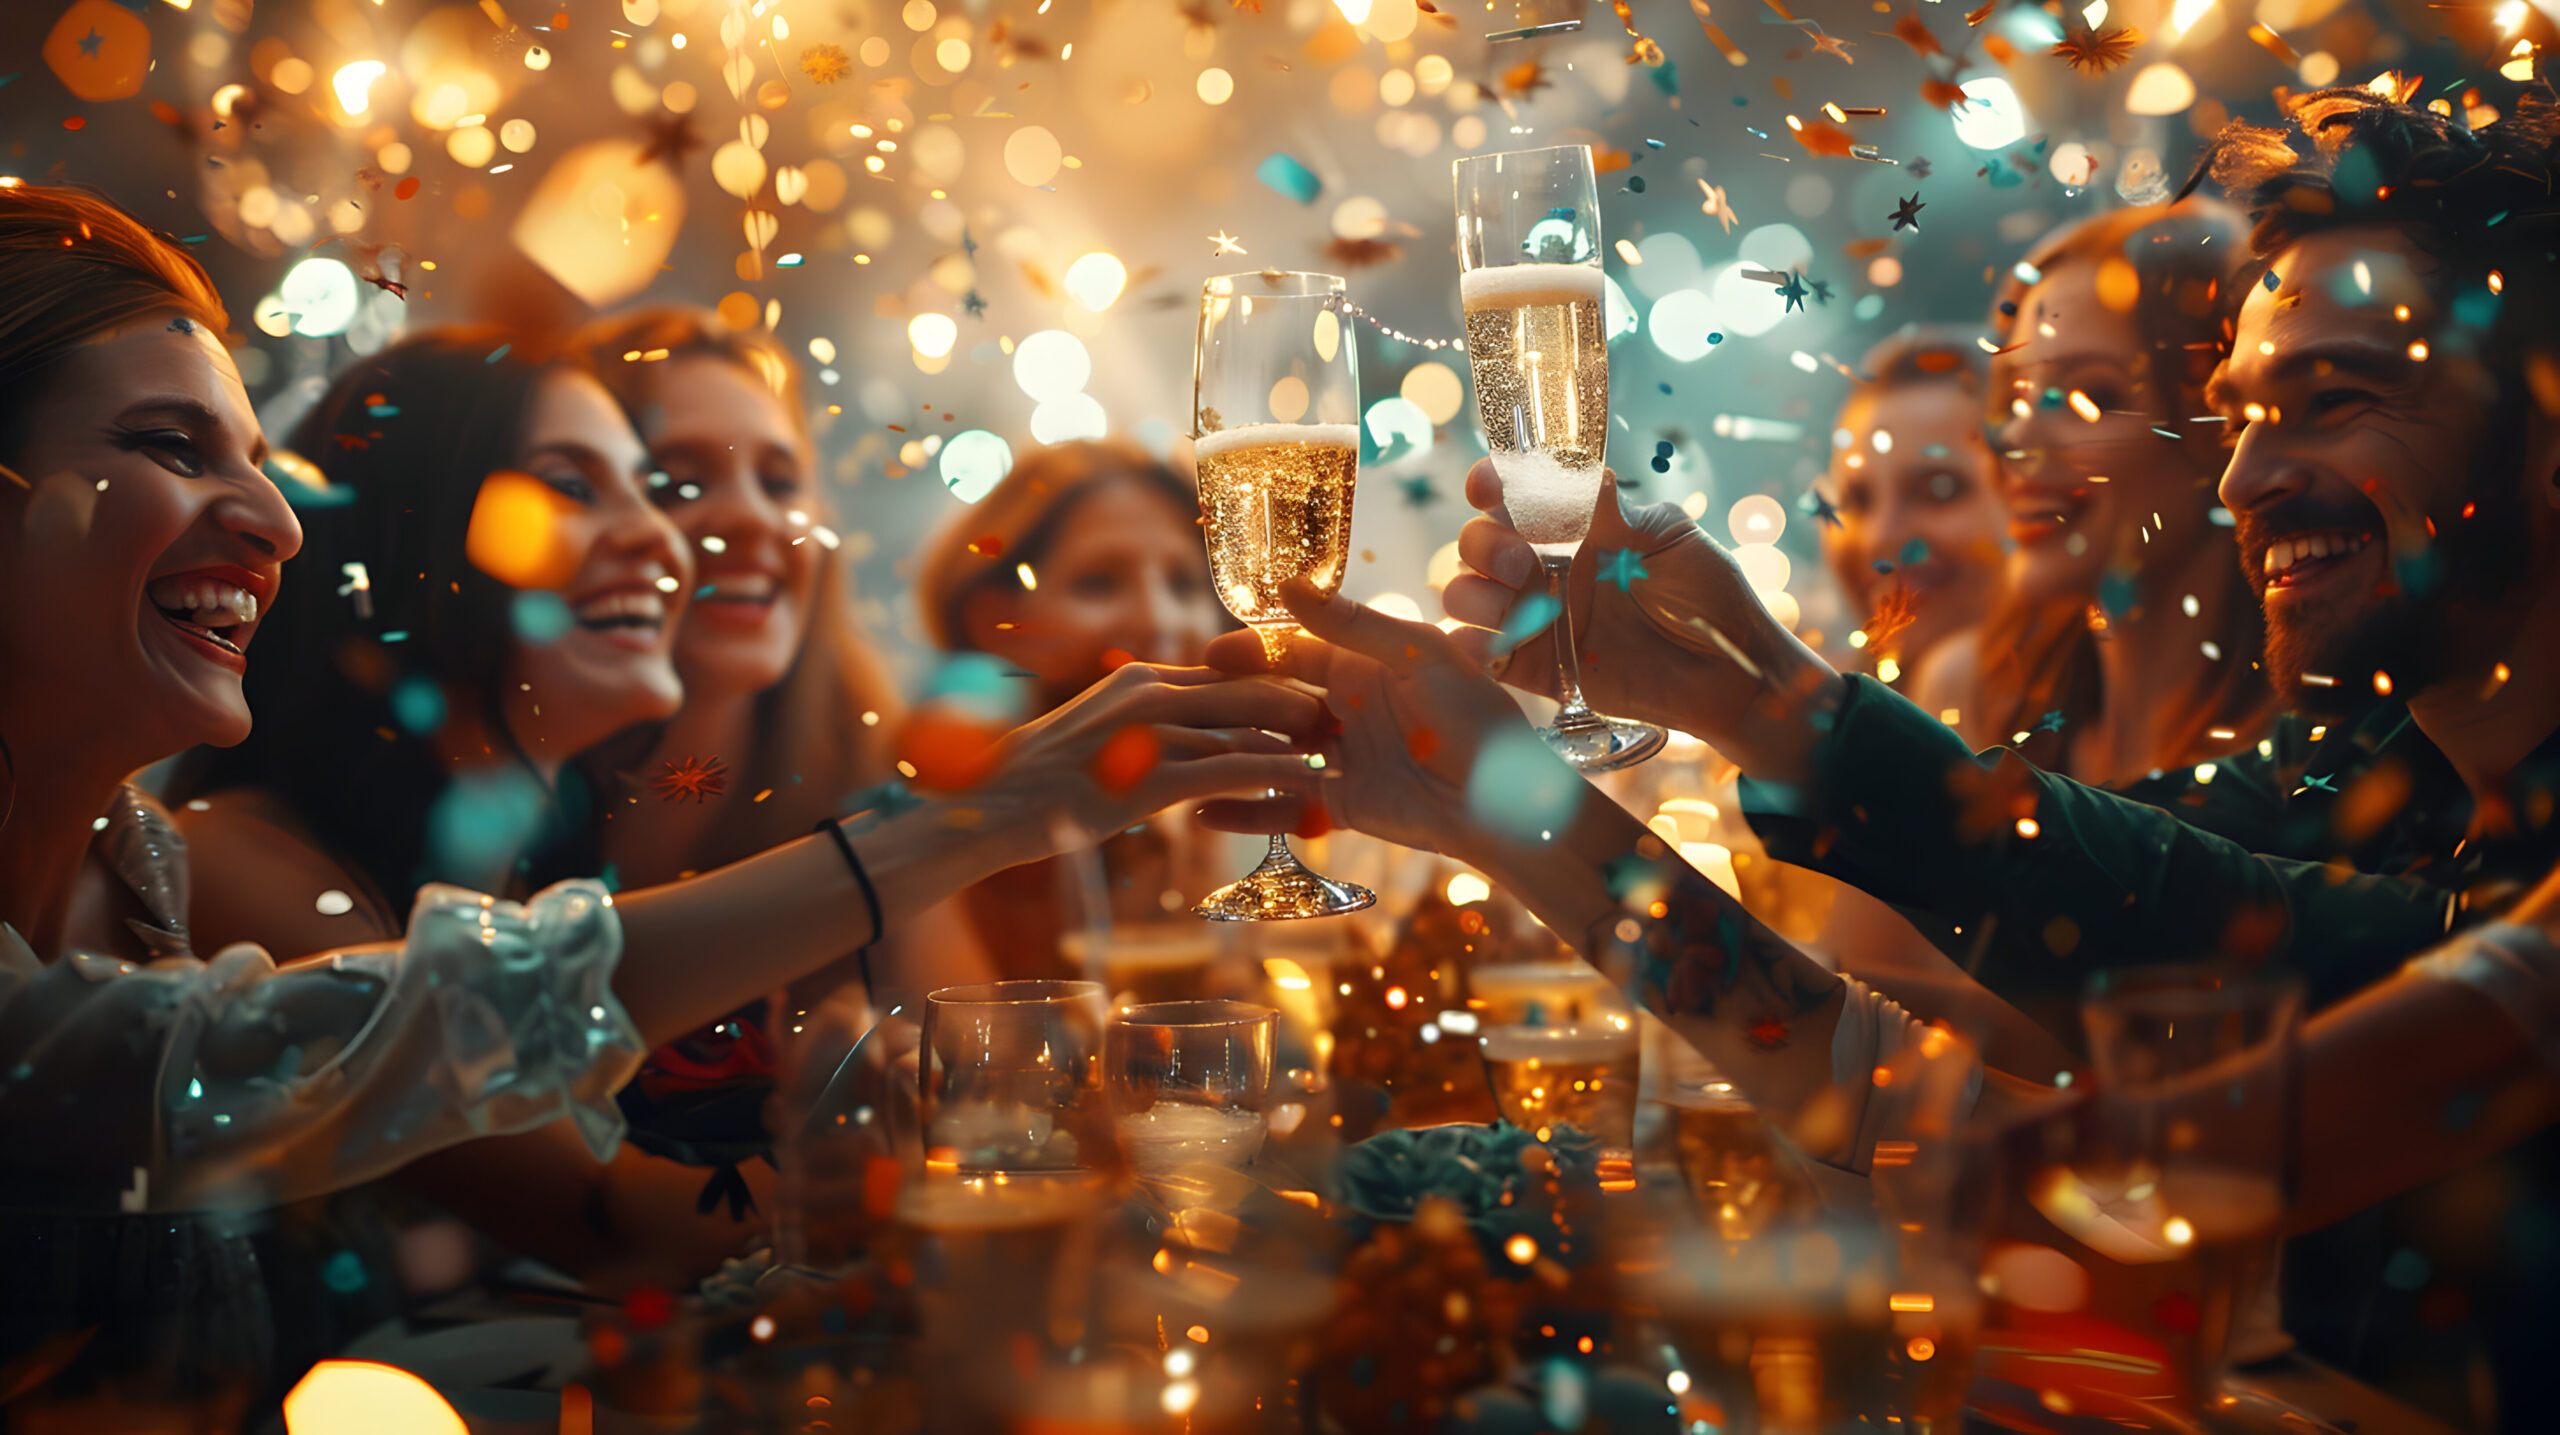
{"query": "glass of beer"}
[(1581, 1076), (1276, 394), (1537, 340), (1012, 1077), (1188, 1080), (2196, 1068)]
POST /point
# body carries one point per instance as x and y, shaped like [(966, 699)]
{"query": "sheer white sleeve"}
[(2515, 966), (185, 1084)]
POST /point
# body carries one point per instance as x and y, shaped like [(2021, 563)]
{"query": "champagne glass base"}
[(1282, 889), (1603, 744)]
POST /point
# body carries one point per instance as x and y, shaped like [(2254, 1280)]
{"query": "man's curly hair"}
[(2480, 201)]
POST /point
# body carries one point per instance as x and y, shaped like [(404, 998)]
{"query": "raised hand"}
[(1138, 742), (1413, 709), (1669, 629)]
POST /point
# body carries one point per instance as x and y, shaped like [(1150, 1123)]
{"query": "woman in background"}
[(1110, 537), (2128, 642), (1916, 545)]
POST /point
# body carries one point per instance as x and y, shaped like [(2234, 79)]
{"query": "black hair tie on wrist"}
[(834, 827)]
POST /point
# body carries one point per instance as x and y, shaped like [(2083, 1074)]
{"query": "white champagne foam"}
[(1515, 286), (1550, 502), (1209, 445), (1170, 1135), (1558, 1043)]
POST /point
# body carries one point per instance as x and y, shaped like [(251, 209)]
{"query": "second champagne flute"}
[(1537, 340), (1276, 390)]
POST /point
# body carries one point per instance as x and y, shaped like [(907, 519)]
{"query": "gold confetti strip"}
[(1716, 36), (2274, 44)]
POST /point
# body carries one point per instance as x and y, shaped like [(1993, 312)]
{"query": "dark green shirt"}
[(2338, 856)]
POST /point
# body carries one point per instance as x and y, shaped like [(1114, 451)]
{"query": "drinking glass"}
[(1188, 1081), (1538, 342), (1580, 1076), (1542, 993), (1276, 392), (1012, 1077), (2176, 1177)]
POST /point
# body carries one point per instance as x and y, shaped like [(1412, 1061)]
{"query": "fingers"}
[(1478, 601), (1238, 654), (1187, 742), (1232, 775), (1261, 815), (1498, 552), (1366, 631), (1230, 703), (1484, 486)]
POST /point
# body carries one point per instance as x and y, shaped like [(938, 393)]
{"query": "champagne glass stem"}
[(1572, 711)]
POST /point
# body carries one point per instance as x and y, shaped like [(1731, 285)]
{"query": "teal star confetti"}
[(90, 43), (976, 306), (1529, 617), (2050, 722), (1794, 292), (1623, 568), (1822, 510), (1418, 492), (1906, 214), (2320, 781)]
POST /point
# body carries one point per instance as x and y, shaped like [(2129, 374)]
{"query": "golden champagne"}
[(1539, 347), (1276, 499)]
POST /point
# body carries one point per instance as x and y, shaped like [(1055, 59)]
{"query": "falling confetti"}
[(1906, 214), (2095, 52), (695, 777), (825, 64)]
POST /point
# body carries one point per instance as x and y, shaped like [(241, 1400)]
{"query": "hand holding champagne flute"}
[(1530, 282), (1276, 389)]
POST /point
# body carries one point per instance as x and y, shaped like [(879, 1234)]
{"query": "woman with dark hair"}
[(145, 1108), (1916, 548), (1110, 540), (2128, 643)]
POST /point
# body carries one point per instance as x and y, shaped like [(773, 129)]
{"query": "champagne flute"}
[(1277, 393), (1530, 282)]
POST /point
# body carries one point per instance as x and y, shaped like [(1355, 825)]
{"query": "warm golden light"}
[(359, 1397)]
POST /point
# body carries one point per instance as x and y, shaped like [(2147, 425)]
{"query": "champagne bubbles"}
[(974, 462)]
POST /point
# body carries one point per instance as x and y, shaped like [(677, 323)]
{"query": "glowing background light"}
[(1991, 116), (353, 80), (932, 335), (1096, 280), (1051, 365), (974, 462), (344, 1397), (1680, 323), (321, 295), (1074, 416)]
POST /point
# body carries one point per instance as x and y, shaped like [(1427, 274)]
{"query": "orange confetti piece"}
[(2274, 44), (1127, 757), (1716, 36), (75, 122), (1910, 31), (406, 189), (947, 750), (1422, 742), (1825, 139), (1945, 94)]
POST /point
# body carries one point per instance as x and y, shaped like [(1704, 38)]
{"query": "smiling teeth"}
[(2284, 553), (625, 606), (745, 588), (205, 602)]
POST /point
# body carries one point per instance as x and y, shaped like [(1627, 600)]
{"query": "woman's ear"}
[(984, 617)]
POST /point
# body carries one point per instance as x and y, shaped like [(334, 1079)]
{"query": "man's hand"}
[(1668, 627)]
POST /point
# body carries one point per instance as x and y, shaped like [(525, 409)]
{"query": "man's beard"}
[(2409, 632)]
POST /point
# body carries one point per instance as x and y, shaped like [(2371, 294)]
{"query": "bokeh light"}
[(1756, 519), (1990, 116), (1051, 365), (1071, 417), (320, 293), (1682, 325), (974, 462), (359, 1397), (932, 335), (1096, 279)]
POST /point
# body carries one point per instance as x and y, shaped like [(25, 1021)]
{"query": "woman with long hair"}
[(147, 1108), (2128, 642), (1111, 537)]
